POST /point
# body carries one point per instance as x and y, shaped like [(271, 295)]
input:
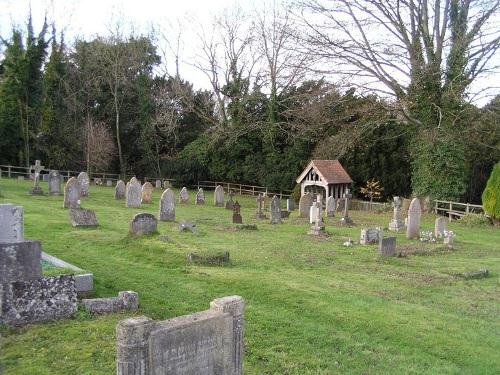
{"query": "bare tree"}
[(98, 145)]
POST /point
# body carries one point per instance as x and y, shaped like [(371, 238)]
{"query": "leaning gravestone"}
[(71, 194), (82, 218), (396, 223), (133, 193), (83, 183), (305, 203), (204, 343), (143, 224), (414, 216), (387, 246), (439, 227), (219, 196), (183, 195), (147, 192), (120, 189), (331, 206), (54, 183), (200, 197), (275, 210), (167, 206)]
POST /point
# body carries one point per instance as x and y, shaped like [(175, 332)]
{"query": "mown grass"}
[(312, 305)]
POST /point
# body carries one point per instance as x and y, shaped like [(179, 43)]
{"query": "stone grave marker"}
[(186, 226), (120, 190), (396, 223), (11, 223), (275, 210), (230, 202), (200, 197), (387, 246), (316, 219), (167, 206), (126, 301), (414, 216), (83, 183), (37, 168), (204, 343), (259, 214), (54, 180), (143, 223), (305, 203), (109, 183), (290, 204), (158, 184), (439, 227), (370, 236), (236, 213), (146, 192), (346, 220), (314, 211), (405, 206), (331, 206), (183, 195), (71, 194), (82, 218), (133, 193), (219, 196)]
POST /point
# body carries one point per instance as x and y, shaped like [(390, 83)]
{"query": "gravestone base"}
[(237, 219), (260, 216), (317, 230), (37, 190), (396, 225)]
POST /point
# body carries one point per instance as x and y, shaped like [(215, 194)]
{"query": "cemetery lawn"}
[(313, 306)]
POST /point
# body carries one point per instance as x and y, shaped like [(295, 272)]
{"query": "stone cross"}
[(396, 223), (345, 215), (37, 190), (259, 214)]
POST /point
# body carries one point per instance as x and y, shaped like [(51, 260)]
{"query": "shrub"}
[(491, 194), (474, 220), (296, 194)]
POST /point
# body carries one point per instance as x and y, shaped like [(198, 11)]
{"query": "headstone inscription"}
[(219, 196), (71, 194), (167, 206), (54, 180), (143, 223), (396, 223), (146, 192), (275, 209), (37, 168), (120, 189), (83, 183), (414, 216), (200, 197), (133, 193), (183, 195), (304, 204), (236, 213), (204, 343)]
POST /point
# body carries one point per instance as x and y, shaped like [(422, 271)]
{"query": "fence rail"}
[(242, 189), (456, 209)]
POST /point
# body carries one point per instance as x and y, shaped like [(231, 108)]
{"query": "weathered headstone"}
[(414, 216), (204, 343), (405, 206), (183, 195), (314, 211), (126, 301), (71, 194), (158, 184), (331, 206), (120, 190), (316, 219), (259, 214), (109, 183), (83, 183), (54, 180), (290, 204), (167, 206), (396, 223), (219, 196), (439, 227), (275, 209), (82, 218), (387, 246), (186, 226), (143, 224), (346, 220), (200, 196), (305, 203), (370, 236), (37, 168), (230, 202), (11, 223), (133, 193), (147, 192), (236, 213)]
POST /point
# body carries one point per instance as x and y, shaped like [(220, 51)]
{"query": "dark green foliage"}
[(491, 195)]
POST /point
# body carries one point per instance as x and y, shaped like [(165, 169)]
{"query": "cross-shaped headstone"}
[(346, 197), (259, 200), (37, 168)]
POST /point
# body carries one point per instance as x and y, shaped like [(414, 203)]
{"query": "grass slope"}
[(312, 305)]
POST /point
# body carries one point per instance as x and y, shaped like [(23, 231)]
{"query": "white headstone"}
[(183, 195), (414, 216), (83, 183), (219, 196), (439, 227), (167, 206), (133, 194), (11, 223), (72, 194)]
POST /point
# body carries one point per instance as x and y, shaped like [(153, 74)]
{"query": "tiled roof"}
[(331, 171)]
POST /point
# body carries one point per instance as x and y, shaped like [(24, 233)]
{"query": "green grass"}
[(312, 305)]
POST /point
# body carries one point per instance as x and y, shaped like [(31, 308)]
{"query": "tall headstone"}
[(346, 220), (290, 204), (275, 208), (236, 213), (54, 183), (414, 216), (71, 194), (305, 203), (439, 227), (167, 206), (200, 197), (147, 192), (133, 193), (158, 184), (143, 224), (230, 202), (84, 183), (259, 214), (183, 195), (396, 223), (331, 206), (37, 168), (120, 190), (316, 219), (219, 196)]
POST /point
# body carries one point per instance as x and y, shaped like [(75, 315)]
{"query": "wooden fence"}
[(242, 189), (456, 209)]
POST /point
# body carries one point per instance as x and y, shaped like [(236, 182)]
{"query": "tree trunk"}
[(118, 142)]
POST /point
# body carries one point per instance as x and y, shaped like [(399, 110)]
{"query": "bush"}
[(474, 220), (491, 194), (296, 194)]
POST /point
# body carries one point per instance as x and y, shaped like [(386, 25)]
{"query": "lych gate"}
[(325, 177)]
